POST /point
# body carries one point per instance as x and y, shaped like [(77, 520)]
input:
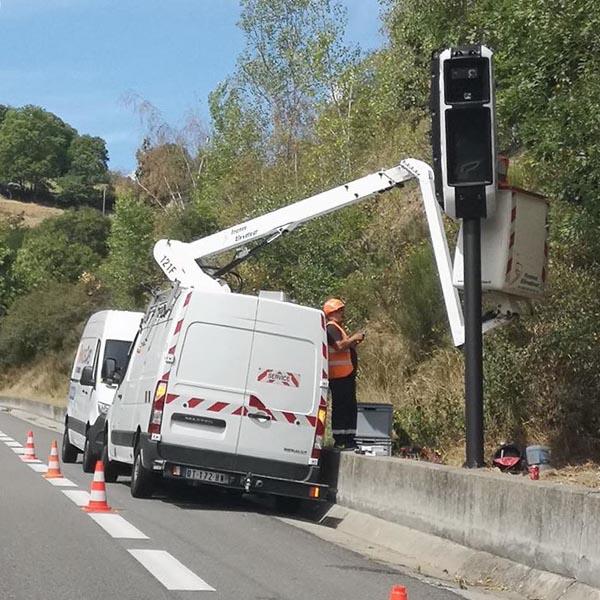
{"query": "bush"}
[(62, 248), (45, 320)]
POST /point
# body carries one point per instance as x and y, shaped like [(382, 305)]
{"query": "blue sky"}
[(79, 58)]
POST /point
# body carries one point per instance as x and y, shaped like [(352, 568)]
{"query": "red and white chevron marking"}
[(228, 408), (175, 339)]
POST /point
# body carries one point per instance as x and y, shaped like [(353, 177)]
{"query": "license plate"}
[(207, 476)]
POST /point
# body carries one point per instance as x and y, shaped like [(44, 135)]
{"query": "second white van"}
[(98, 367)]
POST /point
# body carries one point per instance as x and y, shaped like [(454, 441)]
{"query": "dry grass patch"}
[(33, 214), (45, 381)]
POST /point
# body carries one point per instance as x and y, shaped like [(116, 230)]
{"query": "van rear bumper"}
[(250, 474)]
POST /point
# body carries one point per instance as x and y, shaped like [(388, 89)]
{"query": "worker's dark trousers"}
[(343, 412)]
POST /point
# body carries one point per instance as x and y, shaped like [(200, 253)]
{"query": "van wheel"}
[(89, 460), (111, 468), (142, 480), (68, 453)]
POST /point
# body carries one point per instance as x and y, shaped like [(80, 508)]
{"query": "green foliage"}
[(128, 271), (43, 321), (196, 220), (88, 159), (75, 190), (292, 56), (33, 145), (61, 248), (11, 238), (413, 299)]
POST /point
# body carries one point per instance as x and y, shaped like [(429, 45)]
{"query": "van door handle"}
[(259, 416)]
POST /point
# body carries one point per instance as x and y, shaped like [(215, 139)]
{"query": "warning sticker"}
[(278, 377)]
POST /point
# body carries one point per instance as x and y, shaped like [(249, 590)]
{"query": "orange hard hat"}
[(332, 305)]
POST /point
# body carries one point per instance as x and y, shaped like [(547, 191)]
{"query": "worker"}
[(343, 364)]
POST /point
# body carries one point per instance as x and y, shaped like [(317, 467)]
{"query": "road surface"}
[(185, 543)]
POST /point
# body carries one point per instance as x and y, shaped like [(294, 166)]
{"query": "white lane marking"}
[(18, 450), (117, 527), (170, 572), (13, 444), (38, 468), (80, 497), (61, 482), (6, 438)]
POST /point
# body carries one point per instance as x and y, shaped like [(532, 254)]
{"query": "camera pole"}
[(473, 343)]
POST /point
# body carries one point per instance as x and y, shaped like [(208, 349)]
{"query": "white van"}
[(224, 389), (99, 365)]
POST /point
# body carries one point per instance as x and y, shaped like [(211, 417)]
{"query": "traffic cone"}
[(53, 464), (97, 501), (398, 592), (29, 455)]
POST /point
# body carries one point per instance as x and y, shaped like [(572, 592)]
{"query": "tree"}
[(163, 173), (129, 271), (88, 159), (11, 238), (33, 146), (292, 59)]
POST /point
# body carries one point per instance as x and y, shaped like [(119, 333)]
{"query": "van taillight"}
[(158, 405), (319, 432)]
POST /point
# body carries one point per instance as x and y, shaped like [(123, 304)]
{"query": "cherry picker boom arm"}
[(178, 259)]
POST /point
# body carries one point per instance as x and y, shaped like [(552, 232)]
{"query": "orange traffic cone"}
[(398, 592), (53, 464), (97, 501), (29, 454)]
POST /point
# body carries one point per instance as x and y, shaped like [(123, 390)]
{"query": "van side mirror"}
[(87, 376)]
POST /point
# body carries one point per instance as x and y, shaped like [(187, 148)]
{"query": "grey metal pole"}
[(473, 343)]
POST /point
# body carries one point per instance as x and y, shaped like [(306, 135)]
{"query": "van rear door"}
[(284, 379), (205, 396)]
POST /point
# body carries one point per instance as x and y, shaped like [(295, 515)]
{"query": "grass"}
[(45, 381), (33, 214)]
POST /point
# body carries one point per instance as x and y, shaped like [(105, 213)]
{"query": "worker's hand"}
[(359, 337)]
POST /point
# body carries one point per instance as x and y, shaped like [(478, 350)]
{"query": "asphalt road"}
[(203, 540)]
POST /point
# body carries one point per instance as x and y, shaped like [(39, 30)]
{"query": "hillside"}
[(33, 214)]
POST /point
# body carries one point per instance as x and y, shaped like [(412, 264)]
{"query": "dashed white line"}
[(170, 572), (18, 450), (61, 482), (80, 497), (117, 527), (13, 444), (38, 468)]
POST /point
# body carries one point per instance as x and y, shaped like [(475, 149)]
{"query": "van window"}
[(118, 350), (215, 356)]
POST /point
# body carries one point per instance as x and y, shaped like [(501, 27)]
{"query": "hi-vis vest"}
[(340, 361)]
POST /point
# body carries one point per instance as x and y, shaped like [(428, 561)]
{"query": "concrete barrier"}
[(48, 411), (539, 524)]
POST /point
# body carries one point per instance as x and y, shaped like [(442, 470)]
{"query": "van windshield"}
[(118, 350)]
